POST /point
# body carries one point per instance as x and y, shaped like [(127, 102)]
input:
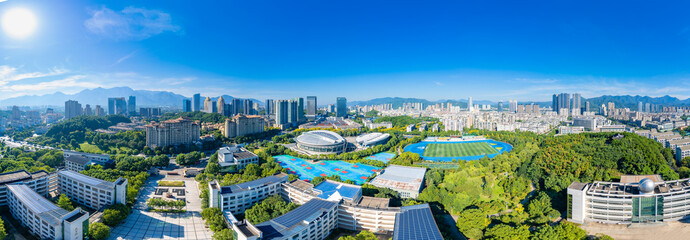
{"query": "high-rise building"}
[(72, 109), (132, 105), (587, 108), (208, 105), (186, 105), (117, 106), (293, 112), (247, 107), (99, 111), (220, 106), (512, 106), (269, 106), (640, 107), (500, 106), (648, 107), (281, 112), (87, 110), (311, 106), (576, 105), (241, 125), (196, 102), (181, 131), (470, 105), (300, 109), (611, 107), (341, 107)]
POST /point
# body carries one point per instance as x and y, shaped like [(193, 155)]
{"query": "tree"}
[(363, 235), (472, 223), (212, 168), (271, 207), (3, 232), (214, 219), (503, 231), (116, 213), (65, 203), (99, 231), (225, 234), (540, 210)]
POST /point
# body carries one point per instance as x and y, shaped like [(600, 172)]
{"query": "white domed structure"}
[(321, 142), (646, 186), (371, 139)]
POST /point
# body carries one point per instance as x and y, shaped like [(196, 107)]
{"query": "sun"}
[(19, 22)]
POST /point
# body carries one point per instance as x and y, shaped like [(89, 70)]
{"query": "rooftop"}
[(86, 179), (374, 202), (400, 177), (47, 210), (20, 175), (276, 228), (320, 137), (329, 188), (78, 159), (416, 222), (638, 178), (280, 177)]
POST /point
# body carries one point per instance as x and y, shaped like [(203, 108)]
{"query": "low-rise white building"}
[(682, 152), (234, 158), (41, 182), (43, 218), (77, 161), (92, 192), (405, 180), (240, 197)]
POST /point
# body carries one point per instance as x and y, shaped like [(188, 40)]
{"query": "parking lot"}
[(141, 224)]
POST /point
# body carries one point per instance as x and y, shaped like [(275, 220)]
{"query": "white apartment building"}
[(92, 192), (241, 125), (682, 152), (240, 197), (234, 158), (41, 182), (43, 218), (405, 180), (181, 131), (570, 130)]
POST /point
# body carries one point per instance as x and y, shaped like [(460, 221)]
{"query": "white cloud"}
[(124, 58), (69, 82), (11, 74), (129, 24), (438, 83)]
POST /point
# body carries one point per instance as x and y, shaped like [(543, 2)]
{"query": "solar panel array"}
[(271, 229), (37, 203), (328, 188), (256, 183), (416, 222), (86, 179)]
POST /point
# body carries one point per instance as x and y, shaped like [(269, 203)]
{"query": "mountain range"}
[(99, 96)]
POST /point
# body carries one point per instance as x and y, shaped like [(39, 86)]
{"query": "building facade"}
[(234, 158), (42, 182), (92, 192), (240, 197), (341, 107), (181, 131), (241, 125)]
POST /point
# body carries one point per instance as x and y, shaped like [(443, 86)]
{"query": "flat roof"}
[(86, 179), (400, 177), (374, 202), (20, 175), (416, 222), (637, 178), (79, 159), (347, 191), (46, 209), (275, 228), (253, 184)]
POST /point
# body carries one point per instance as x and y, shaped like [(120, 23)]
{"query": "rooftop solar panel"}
[(272, 229), (416, 222), (86, 179)]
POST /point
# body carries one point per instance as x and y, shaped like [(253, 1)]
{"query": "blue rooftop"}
[(280, 177), (346, 191), (275, 228), (416, 222)]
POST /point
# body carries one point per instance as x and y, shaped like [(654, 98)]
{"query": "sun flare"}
[(19, 22)]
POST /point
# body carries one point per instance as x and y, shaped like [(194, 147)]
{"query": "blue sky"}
[(490, 50)]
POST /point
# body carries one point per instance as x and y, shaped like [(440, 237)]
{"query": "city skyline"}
[(128, 43)]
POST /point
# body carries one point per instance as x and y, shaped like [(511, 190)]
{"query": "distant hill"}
[(631, 102), (397, 102), (99, 96)]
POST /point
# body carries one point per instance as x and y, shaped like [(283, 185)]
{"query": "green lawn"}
[(458, 149), (90, 148)]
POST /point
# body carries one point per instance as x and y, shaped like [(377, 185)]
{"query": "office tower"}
[(470, 107), (220, 106), (247, 107), (214, 107), (117, 106), (639, 107), (554, 103), (186, 105), (132, 105), (269, 106), (281, 112), (207, 105), (576, 103), (341, 107), (311, 106), (72, 109), (611, 107), (149, 112), (648, 107), (512, 106), (300, 109), (331, 108), (587, 109), (196, 102), (500, 106), (99, 111), (87, 110), (293, 112)]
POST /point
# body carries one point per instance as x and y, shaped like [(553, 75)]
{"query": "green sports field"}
[(458, 149)]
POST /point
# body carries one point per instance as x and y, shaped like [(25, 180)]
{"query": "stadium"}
[(458, 150), (321, 142), (371, 139)]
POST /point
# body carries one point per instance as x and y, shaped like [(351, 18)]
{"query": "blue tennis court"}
[(307, 171), (383, 157)]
